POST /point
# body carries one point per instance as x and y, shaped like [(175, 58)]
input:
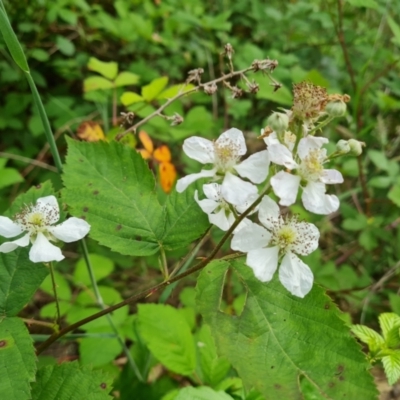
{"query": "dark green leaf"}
[(17, 360), (70, 381), (279, 337)]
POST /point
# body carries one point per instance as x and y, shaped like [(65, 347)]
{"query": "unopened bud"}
[(342, 146), (211, 88), (278, 122), (356, 147), (336, 109)]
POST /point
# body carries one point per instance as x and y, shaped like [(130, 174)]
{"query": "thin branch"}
[(28, 161), (262, 65), (133, 299), (342, 41)]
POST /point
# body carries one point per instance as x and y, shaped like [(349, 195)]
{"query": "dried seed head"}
[(309, 100), (228, 51), (210, 88), (195, 75), (127, 118), (253, 87), (236, 92), (176, 119), (264, 65)]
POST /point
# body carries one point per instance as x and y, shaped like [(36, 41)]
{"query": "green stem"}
[(45, 121), (164, 263), (100, 302), (53, 282), (147, 292)]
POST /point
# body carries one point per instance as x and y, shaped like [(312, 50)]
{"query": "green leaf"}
[(13, 45), (128, 98), (102, 267), (125, 79), (280, 337), (69, 381), (19, 280), (154, 88), (65, 45), (183, 223), (201, 393), (282, 96), (168, 336), (395, 29), (379, 159), (111, 186), (108, 69), (174, 90), (391, 364), (63, 289), (367, 335), (214, 368), (364, 3), (17, 360), (388, 321), (96, 83), (394, 194), (9, 176)]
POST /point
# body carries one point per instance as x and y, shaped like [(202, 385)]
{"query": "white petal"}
[(49, 206), (183, 183), (268, 212), (222, 220), (310, 143), (212, 191), (331, 176), (250, 200), (71, 230), (285, 186), (281, 155), (43, 251), (263, 262), (207, 205), (255, 168), (235, 138), (271, 139), (236, 191), (316, 201), (199, 149), (243, 224), (309, 235), (10, 246), (250, 237), (9, 228), (295, 275)]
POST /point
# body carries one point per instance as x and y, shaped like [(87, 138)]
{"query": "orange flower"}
[(162, 156)]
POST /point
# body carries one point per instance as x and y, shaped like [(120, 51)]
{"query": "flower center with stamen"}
[(311, 167), (226, 155)]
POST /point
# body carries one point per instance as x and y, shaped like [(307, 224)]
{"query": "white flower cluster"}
[(300, 161), (34, 223)]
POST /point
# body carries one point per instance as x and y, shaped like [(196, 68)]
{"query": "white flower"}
[(281, 153), (282, 238), (224, 155), (311, 175), (220, 213), (35, 221)]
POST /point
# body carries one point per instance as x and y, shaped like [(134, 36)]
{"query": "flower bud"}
[(278, 122), (342, 146), (356, 147), (336, 109)]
